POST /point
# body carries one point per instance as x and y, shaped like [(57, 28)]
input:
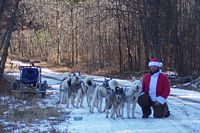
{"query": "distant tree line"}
[(119, 35)]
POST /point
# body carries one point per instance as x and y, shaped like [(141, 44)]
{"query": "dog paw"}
[(133, 117)]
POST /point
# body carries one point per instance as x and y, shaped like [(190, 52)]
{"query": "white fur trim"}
[(158, 64), (152, 86), (161, 64), (161, 100)]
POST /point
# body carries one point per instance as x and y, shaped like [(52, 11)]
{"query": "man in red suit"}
[(156, 89)]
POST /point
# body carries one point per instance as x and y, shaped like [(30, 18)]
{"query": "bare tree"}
[(7, 36), (117, 35)]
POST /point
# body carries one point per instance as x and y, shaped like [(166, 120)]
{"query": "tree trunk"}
[(6, 41), (1, 6)]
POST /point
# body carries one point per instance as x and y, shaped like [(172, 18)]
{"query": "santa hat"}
[(155, 62)]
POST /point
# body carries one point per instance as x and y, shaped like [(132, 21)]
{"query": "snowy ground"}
[(183, 104)]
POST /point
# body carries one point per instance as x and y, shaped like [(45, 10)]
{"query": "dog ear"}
[(121, 90), (69, 82), (133, 78), (79, 73), (141, 79)]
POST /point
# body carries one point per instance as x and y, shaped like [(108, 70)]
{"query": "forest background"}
[(107, 35)]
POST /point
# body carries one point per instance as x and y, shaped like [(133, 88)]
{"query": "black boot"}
[(167, 114), (146, 112)]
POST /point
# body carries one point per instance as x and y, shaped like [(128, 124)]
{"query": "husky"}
[(76, 91), (115, 101), (120, 101), (90, 88), (81, 95), (131, 96), (100, 94), (110, 98), (64, 88), (70, 88)]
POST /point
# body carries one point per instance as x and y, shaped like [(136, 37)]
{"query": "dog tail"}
[(65, 75), (113, 83), (88, 81)]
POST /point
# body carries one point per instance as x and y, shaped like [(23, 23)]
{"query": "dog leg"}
[(106, 108), (69, 101), (88, 100), (128, 110), (122, 111), (97, 105), (114, 111), (92, 105), (100, 105), (60, 97), (78, 97), (73, 96), (89, 104), (106, 112), (67, 97), (118, 114), (82, 99), (72, 100), (64, 97), (133, 108)]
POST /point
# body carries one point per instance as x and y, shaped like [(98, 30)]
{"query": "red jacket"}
[(162, 88)]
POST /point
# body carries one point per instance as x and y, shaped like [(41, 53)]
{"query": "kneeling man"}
[(156, 89)]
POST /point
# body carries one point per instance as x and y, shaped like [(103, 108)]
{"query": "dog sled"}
[(30, 81)]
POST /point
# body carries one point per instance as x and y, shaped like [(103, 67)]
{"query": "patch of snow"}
[(184, 118)]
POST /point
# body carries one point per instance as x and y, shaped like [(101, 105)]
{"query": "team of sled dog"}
[(74, 88)]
